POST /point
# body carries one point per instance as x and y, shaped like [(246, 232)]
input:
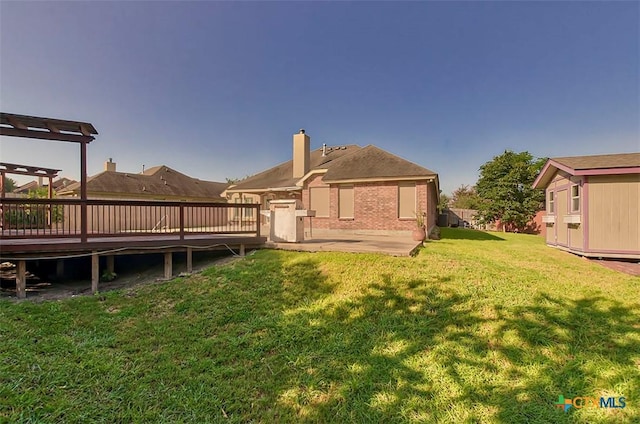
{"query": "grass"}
[(476, 328)]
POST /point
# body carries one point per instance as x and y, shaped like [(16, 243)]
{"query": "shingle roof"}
[(371, 162), (156, 181), (342, 163), (281, 175), (586, 165), (621, 160), (25, 188), (63, 182)]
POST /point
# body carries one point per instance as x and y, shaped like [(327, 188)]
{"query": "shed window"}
[(319, 201), (575, 198), (345, 201), (406, 200), (552, 203)]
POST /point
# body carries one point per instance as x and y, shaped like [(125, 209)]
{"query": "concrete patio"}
[(393, 244)]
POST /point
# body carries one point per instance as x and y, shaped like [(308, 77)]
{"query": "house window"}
[(236, 210), (248, 212), (575, 198), (407, 200), (319, 201), (552, 203), (345, 201)]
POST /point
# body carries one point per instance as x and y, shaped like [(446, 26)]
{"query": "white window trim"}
[(572, 198)]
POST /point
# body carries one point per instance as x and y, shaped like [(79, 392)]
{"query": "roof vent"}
[(301, 130), (324, 149)]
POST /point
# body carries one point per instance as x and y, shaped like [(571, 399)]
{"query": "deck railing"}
[(51, 218)]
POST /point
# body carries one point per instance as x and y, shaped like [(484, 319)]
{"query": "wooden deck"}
[(40, 248), (54, 229)]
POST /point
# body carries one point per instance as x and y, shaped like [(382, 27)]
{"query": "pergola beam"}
[(57, 129), (45, 135), (32, 171)]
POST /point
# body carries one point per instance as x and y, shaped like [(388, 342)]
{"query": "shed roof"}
[(614, 164), (620, 160)]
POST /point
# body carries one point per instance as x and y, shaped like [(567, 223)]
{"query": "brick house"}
[(351, 188)]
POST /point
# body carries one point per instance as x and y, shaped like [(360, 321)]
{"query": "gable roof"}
[(340, 164), (621, 163), (157, 181)]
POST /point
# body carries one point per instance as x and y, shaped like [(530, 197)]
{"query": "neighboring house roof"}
[(63, 182), (156, 181), (614, 164), (26, 188), (340, 164)]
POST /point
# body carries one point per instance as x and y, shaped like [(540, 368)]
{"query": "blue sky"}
[(217, 89)]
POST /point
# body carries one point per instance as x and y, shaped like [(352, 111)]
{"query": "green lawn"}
[(476, 328)]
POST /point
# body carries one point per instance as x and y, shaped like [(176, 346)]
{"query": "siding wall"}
[(614, 215), (560, 233)]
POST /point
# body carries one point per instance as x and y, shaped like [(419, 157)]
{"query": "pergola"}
[(56, 130), (32, 171)]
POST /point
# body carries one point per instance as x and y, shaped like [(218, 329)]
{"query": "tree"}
[(9, 185), (506, 188), (465, 197), (444, 202)]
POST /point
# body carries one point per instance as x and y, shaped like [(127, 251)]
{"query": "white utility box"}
[(286, 219)]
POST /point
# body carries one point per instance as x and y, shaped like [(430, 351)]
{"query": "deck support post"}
[(60, 269), (21, 280), (242, 250), (189, 260), (168, 265), (95, 272), (83, 193), (111, 264)]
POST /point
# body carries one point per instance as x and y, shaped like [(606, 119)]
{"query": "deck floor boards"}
[(40, 246)]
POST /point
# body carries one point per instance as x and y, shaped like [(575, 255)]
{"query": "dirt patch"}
[(131, 271)]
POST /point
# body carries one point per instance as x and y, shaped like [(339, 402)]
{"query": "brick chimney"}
[(301, 142), (110, 165)]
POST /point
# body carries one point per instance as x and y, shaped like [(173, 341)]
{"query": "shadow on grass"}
[(578, 346), (407, 350), (273, 339), (354, 358), (468, 234)]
